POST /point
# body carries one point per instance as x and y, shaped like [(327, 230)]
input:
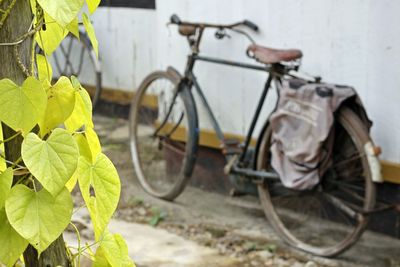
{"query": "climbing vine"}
[(60, 149)]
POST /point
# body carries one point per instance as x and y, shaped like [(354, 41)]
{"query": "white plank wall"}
[(355, 42)]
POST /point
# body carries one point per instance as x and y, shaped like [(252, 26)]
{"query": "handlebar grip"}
[(175, 19), (251, 25)]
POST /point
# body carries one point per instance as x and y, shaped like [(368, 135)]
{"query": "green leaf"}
[(44, 68), (116, 250), (90, 31), (6, 179), (100, 187), (60, 104), (63, 11), (38, 216), (51, 38), (21, 107), (52, 162), (82, 114), (92, 5), (12, 244), (100, 259)]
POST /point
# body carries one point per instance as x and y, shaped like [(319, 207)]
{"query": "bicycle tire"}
[(165, 183), (310, 237), (81, 50)]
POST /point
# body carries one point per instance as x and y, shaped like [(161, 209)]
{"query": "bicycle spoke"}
[(348, 160)]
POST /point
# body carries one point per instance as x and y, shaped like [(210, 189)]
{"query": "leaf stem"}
[(33, 183), (11, 137), (79, 243)]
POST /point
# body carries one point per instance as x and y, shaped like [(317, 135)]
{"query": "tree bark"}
[(17, 23)]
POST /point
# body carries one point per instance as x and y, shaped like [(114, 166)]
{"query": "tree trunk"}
[(17, 24)]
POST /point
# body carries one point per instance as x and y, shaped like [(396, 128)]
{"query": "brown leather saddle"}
[(271, 56)]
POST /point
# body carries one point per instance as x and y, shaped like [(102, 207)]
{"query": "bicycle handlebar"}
[(251, 25), (176, 20)]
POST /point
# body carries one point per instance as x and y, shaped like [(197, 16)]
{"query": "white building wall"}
[(355, 42)]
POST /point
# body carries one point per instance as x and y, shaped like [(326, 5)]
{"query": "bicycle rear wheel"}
[(329, 218), (163, 135)]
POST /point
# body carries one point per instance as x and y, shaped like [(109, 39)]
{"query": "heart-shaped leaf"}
[(6, 179), (21, 107), (38, 216), (52, 162), (60, 104), (100, 186), (62, 11), (12, 244)]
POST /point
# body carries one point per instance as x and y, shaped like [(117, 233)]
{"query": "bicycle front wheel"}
[(329, 218), (163, 135)]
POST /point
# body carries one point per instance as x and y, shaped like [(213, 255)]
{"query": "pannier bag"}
[(301, 126)]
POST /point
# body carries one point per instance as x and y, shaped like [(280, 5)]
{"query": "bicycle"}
[(164, 137), (77, 57)]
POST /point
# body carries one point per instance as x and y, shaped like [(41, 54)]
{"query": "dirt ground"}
[(233, 228)]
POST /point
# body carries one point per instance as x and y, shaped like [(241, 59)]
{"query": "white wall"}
[(355, 42)]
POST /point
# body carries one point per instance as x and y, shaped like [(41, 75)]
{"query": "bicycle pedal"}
[(228, 167), (231, 147)]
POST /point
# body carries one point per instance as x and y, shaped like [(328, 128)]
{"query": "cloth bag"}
[(301, 124)]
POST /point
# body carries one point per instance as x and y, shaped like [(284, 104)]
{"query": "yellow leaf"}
[(82, 114), (51, 38), (94, 142), (90, 31), (73, 27), (60, 104), (44, 68), (92, 5), (84, 148), (70, 185), (3, 165), (63, 11)]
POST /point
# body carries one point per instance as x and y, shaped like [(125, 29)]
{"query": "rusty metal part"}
[(231, 147), (377, 150)]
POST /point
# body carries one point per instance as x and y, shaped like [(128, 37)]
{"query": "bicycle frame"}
[(190, 81), (276, 71)]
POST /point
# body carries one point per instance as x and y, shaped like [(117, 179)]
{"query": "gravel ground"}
[(236, 228)]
